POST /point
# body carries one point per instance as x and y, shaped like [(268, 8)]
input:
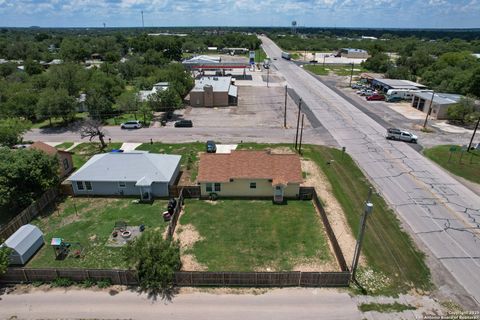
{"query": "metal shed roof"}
[(23, 238), (128, 166), (440, 98), (400, 84)]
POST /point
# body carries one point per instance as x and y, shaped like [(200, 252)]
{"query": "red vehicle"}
[(376, 97)]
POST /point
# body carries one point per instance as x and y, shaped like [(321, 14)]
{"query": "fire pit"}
[(126, 234)]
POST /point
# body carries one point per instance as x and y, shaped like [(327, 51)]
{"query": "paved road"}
[(170, 135), (442, 213), (276, 304)]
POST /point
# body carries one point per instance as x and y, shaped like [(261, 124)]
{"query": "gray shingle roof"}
[(128, 166)]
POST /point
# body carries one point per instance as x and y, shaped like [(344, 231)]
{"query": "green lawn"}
[(64, 145), (86, 150), (260, 55), (243, 235), (341, 70), (188, 151), (114, 121), (468, 168), (91, 224), (390, 252), (58, 122), (385, 307)]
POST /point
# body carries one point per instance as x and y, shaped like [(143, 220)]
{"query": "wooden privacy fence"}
[(176, 214), (187, 191), (186, 278), (29, 213)]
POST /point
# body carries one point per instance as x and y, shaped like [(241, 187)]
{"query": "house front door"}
[(145, 194), (278, 194)]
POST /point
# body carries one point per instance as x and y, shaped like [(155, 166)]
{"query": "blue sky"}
[(309, 13)]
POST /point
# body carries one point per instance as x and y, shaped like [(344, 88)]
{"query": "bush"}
[(4, 259), (156, 261), (87, 283), (104, 283), (62, 282)]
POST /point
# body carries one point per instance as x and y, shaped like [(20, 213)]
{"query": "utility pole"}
[(298, 122), (324, 60), (143, 24), (429, 109), (473, 135), (301, 136), (351, 74), (268, 75), (285, 112), (368, 209)]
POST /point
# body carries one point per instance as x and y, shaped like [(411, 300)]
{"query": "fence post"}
[(24, 275), (118, 277), (300, 279)]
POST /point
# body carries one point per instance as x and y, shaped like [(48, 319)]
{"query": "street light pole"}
[(351, 74), (473, 135), (285, 112), (368, 209), (301, 136), (298, 122), (429, 109)]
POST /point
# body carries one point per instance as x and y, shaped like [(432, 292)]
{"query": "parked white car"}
[(133, 124), (366, 92), (397, 134)]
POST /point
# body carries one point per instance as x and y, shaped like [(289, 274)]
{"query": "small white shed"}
[(24, 243)]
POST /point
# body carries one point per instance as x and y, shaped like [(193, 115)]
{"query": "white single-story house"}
[(127, 174), (24, 244), (245, 173), (143, 95)]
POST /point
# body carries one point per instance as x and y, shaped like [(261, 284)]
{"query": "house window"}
[(88, 185), (217, 187), (79, 185), (122, 184), (253, 185), (209, 187), (65, 164)]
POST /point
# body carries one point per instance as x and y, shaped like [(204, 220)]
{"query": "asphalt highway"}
[(441, 213)]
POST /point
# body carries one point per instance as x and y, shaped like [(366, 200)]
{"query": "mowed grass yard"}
[(468, 168), (84, 151), (389, 250), (253, 235), (90, 221)]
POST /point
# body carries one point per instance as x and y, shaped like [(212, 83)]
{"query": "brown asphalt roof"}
[(46, 148), (244, 164)]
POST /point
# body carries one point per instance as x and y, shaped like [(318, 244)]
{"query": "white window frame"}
[(219, 185), (209, 187), (80, 186)]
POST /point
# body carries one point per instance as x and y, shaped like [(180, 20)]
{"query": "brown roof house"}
[(250, 174), (64, 157)]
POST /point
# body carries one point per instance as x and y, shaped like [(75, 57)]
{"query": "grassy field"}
[(341, 70), (468, 168), (116, 121), (188, 151), (90, 222), (57, 122), (64, 145), (86, 150), (260, 55), (396, 262), (242, 235), (385, 307)]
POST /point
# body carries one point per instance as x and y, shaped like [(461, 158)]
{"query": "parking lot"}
[(258, 106)]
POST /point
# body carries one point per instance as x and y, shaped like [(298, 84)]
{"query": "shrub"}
[(104, 283), (62, 282), (87, 283)]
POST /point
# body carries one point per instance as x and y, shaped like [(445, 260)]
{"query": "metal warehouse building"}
[(387, 84), (441, 102)]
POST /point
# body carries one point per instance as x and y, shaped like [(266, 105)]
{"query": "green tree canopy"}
[(11, 131)]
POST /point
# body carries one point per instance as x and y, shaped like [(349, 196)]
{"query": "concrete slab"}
[(73, 146), (444, 126), (226, 148), (53, 144), (129, 146)]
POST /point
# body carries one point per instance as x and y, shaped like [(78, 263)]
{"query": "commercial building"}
[(387, 84), (352, 53), (439, 106), (214, 92), (245, 173), (204, 63)]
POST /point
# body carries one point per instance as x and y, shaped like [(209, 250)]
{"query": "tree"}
[(4, 259), (33, 67), (91, 129), (146, 110), (26, 174), (379, 62), (166, 100), (128, 102), (11, 131), (462, 111), (155, 260), (99, 106), (56, 103)]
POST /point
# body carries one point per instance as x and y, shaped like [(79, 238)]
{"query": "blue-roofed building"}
[(147, 175)]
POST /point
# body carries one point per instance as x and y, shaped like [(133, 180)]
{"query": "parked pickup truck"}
[(397, 134)]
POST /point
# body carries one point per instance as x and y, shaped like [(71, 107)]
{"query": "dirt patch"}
[(188, 235), (317, 266), (336, 216), (280, 150)]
